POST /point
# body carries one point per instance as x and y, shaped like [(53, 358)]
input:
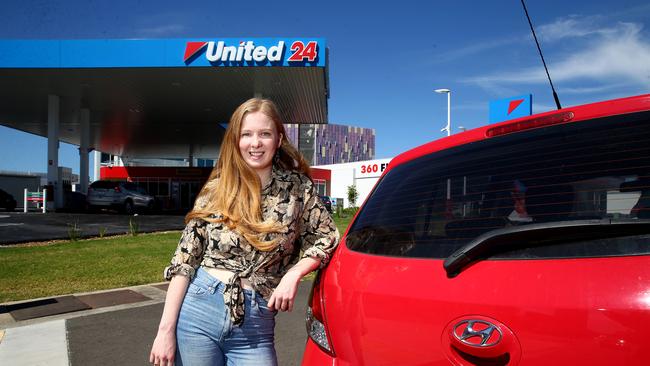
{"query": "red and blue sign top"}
[(218, 52)]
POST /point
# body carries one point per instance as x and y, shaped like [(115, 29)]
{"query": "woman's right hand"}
[(163, 350)]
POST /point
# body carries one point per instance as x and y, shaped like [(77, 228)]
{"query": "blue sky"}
[(385, 57)]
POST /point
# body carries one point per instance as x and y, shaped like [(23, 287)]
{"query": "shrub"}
[(134, 226), (353, 194), (351, 211), (74, 231)]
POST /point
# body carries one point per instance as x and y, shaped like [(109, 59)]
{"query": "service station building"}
[(153, 99)]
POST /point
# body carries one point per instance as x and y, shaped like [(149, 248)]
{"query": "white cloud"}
[(161, 31), (614, 54), (642, 10), (574, 27), (540, 108), (493, 88), (165, 24), (592, 89), (473, 49), (470, 106)]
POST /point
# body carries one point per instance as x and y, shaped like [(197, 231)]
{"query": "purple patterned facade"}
[(332, 144)]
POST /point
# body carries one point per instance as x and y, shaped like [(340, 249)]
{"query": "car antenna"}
[(557, 100)]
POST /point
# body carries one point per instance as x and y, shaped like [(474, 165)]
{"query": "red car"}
[(518, 243)]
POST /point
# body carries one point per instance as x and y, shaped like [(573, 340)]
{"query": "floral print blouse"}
[(291, 199)]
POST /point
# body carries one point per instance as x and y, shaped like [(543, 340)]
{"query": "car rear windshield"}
[(435, 204)]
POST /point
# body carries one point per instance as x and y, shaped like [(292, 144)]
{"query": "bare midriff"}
[(225, 275)]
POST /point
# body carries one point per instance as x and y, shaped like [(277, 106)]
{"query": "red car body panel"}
[(393, 311), (383, 310)]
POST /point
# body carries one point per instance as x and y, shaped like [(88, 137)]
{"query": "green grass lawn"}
[(85, 265), (342, 223), (88, 265)]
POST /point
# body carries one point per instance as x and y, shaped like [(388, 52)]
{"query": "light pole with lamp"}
[(448, 92), (448, 209)]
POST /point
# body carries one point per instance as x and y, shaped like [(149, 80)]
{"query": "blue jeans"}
[(205, 335)]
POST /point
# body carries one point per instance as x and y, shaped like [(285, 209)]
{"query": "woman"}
[(239, 258)]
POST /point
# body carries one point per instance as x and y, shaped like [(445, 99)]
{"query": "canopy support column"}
[(53, 118), (84, 119), (97, 163)]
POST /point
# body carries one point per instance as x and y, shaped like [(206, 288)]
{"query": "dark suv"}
[(7, 201), (327, 202), (124, 196), (521, 243)]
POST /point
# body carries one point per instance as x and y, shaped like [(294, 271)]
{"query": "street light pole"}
[(448, 129), (448, 92)]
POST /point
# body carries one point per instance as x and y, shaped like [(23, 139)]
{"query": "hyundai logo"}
[(477, 333)]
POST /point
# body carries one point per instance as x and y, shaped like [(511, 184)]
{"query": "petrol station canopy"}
[(158, 98)]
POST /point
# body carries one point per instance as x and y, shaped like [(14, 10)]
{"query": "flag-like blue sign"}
[(511, 108)]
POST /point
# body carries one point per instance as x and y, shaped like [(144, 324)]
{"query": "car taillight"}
[(316, 322), (547, 120), (117, 189)]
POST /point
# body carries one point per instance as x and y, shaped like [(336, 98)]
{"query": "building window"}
[(321, 186)]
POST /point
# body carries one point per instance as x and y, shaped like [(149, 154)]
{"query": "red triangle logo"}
[(192, 48), (514, 104)]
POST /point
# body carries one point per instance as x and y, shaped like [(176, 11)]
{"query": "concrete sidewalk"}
[(115, 334)]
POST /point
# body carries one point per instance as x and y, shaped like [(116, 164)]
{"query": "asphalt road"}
[(125, 337), (18, 227)]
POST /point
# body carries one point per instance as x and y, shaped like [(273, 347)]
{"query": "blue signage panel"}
[(217, 52), (511, 108)]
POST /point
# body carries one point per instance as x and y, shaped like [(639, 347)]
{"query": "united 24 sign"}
[(256, 52)]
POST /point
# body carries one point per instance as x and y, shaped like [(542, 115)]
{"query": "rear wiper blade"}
[(541, 234)]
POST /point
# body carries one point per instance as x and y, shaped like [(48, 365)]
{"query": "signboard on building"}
[(255, 52), (511, 108), (218, 52), (370, 169), (362, 174)]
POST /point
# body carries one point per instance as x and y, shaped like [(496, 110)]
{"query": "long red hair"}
[(233, 189)]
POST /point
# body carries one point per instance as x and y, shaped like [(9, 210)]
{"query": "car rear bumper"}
[(102, 203)]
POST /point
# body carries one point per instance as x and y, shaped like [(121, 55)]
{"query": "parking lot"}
[(18, 227)]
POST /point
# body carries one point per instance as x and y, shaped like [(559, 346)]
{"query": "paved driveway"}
[(125, 337)]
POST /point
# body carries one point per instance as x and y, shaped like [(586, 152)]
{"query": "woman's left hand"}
[(283, 296)]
